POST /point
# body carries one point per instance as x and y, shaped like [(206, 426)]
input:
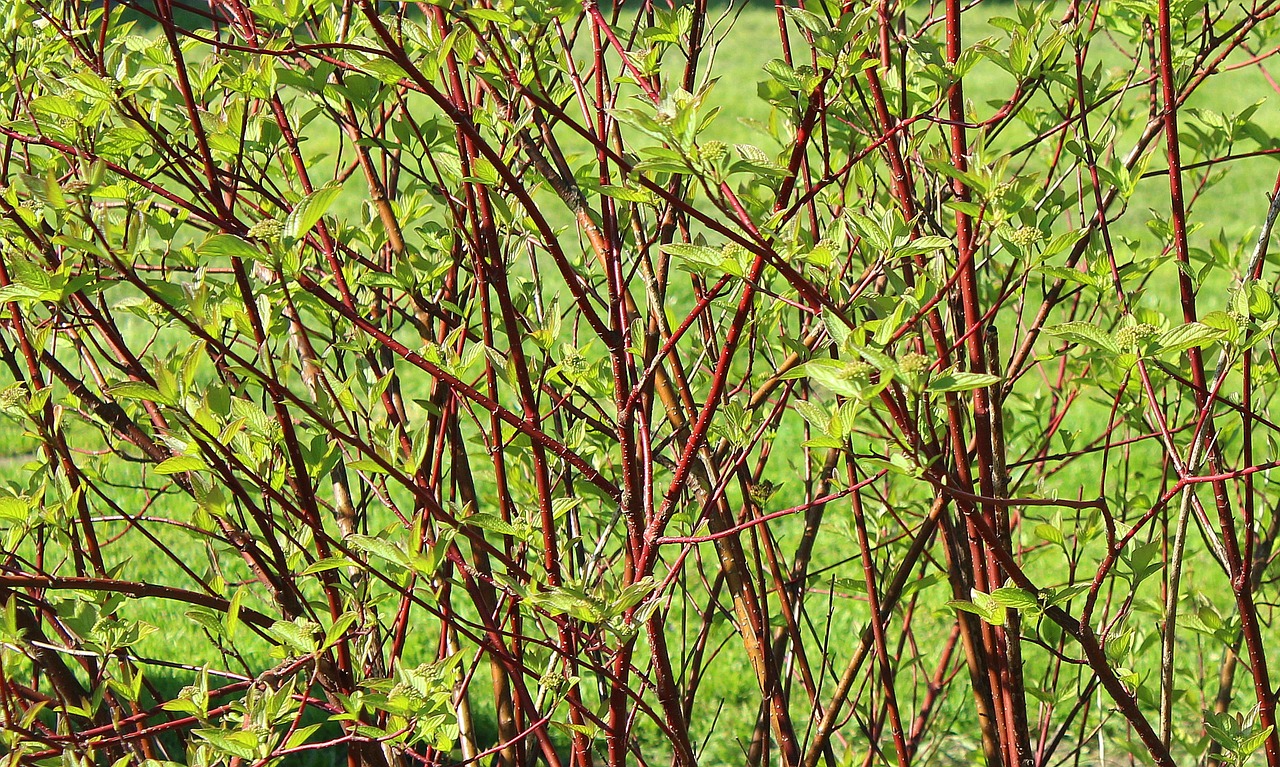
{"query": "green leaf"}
[(14, 509), (983, 605), (208, 620), (309, 210), (1186, 336), (1064, 594), (297, 635), (368, 466), (633, 595), (1251, 743), (493, 523), (843, 378), (960, 380), (301, 735), (627, 194), (839, 332), (238, 743), (961, 605), (1222, 321), (380, 548), (1072, 275), (1084, 333), (1049, 533), (808, 20), (25, 294), (228, 246), (1018, 599), (1061, 243), (699, 259), (483, 172), (179, 464), (572, 600), (757, 158), (921, 246), (232, 619), (326, 564), (338, 629), (697, 253), (138, 390), (385, 70)]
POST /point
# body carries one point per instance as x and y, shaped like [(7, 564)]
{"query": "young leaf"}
[(960, 380), (1183, 337), (179, 464), (309, 210), (1084, 333), (139, 391), (228, 245)]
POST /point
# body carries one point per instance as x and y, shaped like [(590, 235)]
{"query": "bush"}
[(554, 383)]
